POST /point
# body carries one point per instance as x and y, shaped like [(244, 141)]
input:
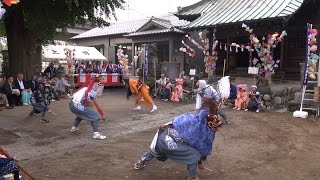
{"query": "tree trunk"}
[(20, 44), (38, 59)]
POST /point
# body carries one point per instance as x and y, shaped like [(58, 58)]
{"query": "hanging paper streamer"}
[(210, 60), (264, 49), (70, 55), (191, 52), (123, 61)]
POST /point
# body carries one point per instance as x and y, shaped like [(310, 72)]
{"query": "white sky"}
[(139, 9)]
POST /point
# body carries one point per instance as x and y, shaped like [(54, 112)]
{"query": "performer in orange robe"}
[(141, 90)]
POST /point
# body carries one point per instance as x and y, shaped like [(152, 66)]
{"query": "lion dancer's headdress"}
[(224, 88)]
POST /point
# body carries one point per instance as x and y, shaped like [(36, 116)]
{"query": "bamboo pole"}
[(224, 67)]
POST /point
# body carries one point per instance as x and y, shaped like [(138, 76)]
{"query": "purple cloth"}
[(194, 130)]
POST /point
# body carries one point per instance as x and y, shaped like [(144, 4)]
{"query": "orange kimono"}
[(140, 89), (241, 101), (178, 91)]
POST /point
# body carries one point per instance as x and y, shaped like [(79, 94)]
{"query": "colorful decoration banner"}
[(210, 59), (311, 56), (263, 48), (123, 61), (146, 61)]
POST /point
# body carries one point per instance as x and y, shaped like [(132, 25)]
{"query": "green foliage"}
[(44, 17), (5, 64), (2, 29), (151, 82)]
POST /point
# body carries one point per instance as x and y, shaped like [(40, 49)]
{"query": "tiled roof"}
[(113, 29), (219, 12), (158, 31), (167, 21), (197, 8)]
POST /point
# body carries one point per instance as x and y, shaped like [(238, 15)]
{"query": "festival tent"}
[(80, 53)]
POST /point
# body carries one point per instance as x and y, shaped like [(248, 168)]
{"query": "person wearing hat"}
[(241, 101), (40, 100), (254, 103)]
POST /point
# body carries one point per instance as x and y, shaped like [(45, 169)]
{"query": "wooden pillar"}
[(228, 43), (170, 49), (282, 54)]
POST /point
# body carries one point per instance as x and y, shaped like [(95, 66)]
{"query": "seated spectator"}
[(41, 100), (233, 95), (177, 93), (110, 68), (61, 71), (61, 86), (160, 84), (50, 71), (8, 166), (81, 68), (89, 69), (25, 90), (12, 92), (33, 83), (104, 68), (95, 69), (255, 102), (3, 96), (167, 89), (241, 101)]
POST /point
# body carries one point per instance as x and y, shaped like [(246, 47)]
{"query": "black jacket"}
[(6, 88), (33, 85), (50, 71), (25, 84)]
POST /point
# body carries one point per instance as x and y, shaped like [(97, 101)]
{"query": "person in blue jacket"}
[(187, 139)]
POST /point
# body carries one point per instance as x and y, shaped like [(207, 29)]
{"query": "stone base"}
[(264, 90)]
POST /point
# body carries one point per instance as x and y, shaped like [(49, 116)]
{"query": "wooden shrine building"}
[(264, 17)]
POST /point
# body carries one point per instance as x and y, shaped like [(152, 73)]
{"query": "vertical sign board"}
[(146, 60)]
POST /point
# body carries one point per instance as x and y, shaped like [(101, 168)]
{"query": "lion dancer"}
[(187, 139), (80, 106), (141, 90)]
